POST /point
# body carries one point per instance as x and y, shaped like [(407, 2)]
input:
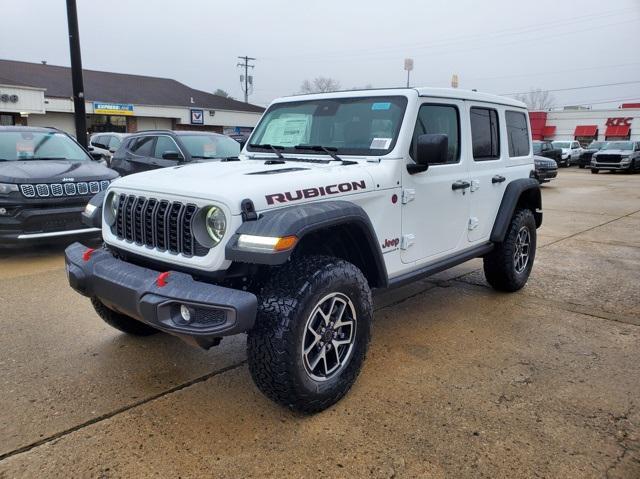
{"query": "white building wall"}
[(566, 121), (62, 121), (145, 123), (30, 100)]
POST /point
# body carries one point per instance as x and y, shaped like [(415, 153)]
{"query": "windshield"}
[(620, 145), (537, 147), (39, 145), (353, 126), (210, 146), (597, 145), (562, 144)]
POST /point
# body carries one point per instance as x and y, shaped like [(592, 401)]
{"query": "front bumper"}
[(546, 174), (610, 166), (23, 226), (133, 290)]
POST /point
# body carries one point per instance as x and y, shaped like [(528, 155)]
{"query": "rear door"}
[(139, 154), (488, 178)]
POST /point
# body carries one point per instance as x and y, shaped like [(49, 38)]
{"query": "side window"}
[(575, 145), (143, 146), (440, 119), (517, 133), (114, 142), (163, 145), (485, 134), (98, 140)]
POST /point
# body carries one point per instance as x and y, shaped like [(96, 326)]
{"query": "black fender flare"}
[(300, 220), (515, 194)]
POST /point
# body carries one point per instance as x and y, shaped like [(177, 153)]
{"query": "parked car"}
[(571, 152), (241, 139), (546, 149), (46, 181), (545, 169), (149, 150), (105, 144), (617, 155), (334, 196), (588, 152)]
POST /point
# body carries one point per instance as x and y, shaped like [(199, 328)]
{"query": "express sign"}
[(619, 121)]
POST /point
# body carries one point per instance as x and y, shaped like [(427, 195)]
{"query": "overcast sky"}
[(498, 46)]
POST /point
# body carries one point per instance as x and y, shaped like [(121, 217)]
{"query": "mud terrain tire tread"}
[(284, 304), (499, 269)]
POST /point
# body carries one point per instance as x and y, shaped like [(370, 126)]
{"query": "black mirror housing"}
[(171, 155), (431, 149)]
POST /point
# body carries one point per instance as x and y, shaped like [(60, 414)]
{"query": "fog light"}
[(3, 211), (185, 312)]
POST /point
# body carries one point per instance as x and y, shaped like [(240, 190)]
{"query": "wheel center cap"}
[(327, 336)]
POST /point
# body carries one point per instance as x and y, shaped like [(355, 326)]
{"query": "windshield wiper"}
[(329, 150), (275, 148)]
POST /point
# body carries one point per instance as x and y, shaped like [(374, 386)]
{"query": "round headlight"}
[(111, 212), (216, 224)]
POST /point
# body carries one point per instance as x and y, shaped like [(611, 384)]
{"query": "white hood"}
[(231, 182)]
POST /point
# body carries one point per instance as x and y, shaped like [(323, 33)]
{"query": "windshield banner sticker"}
[(380, 144), (288, 131), (381, 106)]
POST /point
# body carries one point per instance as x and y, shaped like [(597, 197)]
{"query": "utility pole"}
[(408, 66), (246, 79), (80, 114)]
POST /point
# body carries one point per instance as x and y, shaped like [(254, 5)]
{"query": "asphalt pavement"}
[(460, 381)]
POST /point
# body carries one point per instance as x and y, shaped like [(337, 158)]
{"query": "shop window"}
[(6, 120)]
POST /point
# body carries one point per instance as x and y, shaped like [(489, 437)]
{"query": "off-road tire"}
[(500, 265), (594, 171), (275, 345), (121, 322)]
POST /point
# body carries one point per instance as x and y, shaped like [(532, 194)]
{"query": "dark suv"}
[(46, 180), (546, 149), (149, 150)]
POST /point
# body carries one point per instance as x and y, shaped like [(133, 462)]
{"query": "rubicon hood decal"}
[(315, 192)]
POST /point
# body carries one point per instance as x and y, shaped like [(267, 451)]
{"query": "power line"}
[(576, 88), (248, 80)]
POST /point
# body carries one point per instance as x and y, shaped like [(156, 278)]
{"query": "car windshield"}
[(351, 126), (620, 145), (597, 145), (210, 146), (537, 147), (39, 145), (562, 144)]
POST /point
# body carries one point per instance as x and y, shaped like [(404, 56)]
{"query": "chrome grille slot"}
[(70, 189), (157, 224), (57, 190), (28, 190), (94, 187), (83, 188)]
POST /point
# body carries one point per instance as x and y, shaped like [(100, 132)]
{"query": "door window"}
[(517, 133), (438, 119), (164, 145), (114, 142), (143, 146), (485, 135)]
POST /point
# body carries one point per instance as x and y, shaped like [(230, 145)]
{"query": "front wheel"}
[(508, 266), (595, 171), (312, 333)]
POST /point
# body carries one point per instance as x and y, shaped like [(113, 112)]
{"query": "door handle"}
[(498, 179), (460, 185)]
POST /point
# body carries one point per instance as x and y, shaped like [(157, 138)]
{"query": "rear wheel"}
[(121, 322), (595, 171), (311, 334), (508, 266)]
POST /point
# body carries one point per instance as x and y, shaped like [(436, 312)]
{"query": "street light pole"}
[(80, 114)]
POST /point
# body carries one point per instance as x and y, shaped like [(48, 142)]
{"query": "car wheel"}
[(120, 321), (508, 266), (312, 333), (595, 171)]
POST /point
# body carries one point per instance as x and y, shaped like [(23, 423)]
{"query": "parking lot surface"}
[(460, 381)]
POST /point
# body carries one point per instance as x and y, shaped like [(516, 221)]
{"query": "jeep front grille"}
[(57, 190), (157, 224)]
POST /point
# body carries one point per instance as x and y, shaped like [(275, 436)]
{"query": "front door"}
[(436, 202)]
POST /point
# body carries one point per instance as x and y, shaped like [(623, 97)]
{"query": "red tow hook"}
[(86, 256), (162, 279)]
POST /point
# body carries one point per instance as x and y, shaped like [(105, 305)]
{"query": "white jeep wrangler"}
[(335, 195)]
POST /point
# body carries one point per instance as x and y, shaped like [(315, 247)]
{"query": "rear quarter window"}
[(517, 133)]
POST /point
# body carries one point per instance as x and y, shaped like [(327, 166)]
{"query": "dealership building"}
[(37, 94), (586, 125)]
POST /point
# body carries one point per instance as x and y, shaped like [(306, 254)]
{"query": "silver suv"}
[(617, 155)]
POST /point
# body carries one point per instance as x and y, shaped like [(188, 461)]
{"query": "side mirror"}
[(431, 149), (171, 155), (112, 150), (95, 155)]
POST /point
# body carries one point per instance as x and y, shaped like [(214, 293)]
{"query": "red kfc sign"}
[(619, 121)]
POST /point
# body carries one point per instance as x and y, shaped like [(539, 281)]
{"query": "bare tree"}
[(537, 99), (222, 93), (319, 85)]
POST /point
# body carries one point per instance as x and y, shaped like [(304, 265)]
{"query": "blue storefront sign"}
[(102, 108)]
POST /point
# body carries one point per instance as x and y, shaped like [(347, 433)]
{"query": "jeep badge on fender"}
[(335, 195)]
